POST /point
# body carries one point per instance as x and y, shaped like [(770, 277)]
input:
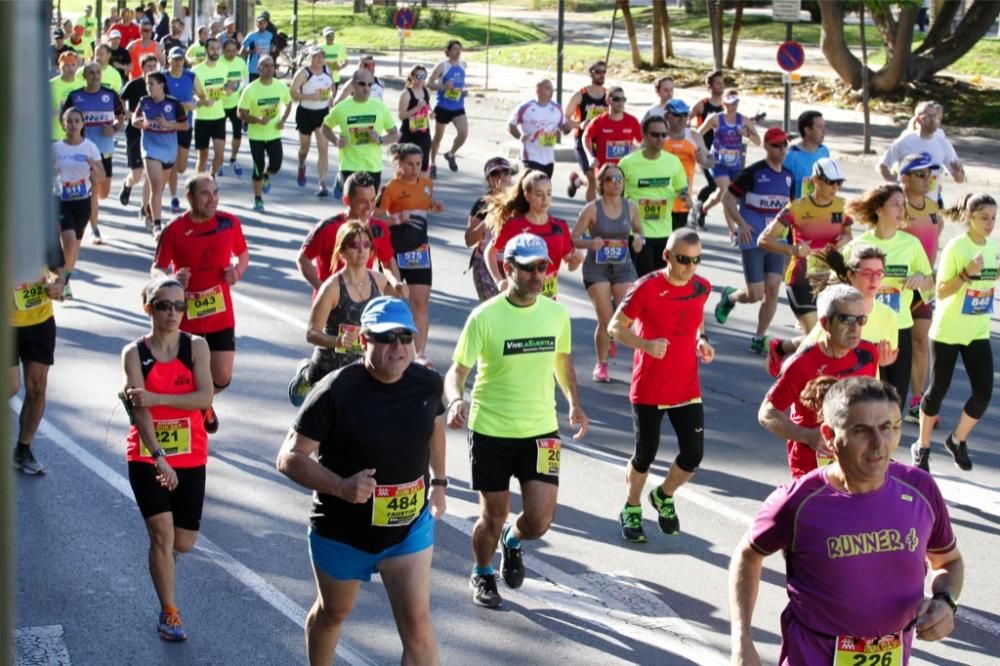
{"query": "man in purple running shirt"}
[(857, 536)]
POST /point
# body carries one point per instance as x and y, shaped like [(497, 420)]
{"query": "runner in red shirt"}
[(663, 318), (197, 249), (613, 134), (127, 28)]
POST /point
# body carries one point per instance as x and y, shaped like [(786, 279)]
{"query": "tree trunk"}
[(943, 46), (834, 46), (668, 42), (657, 28), (714, 8), (359, 7), (630, 29), (734, 35)]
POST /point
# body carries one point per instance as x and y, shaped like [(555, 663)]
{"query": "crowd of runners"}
[(884, 314)]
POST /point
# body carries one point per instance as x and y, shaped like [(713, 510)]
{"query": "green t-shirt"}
[(213, 82), (516, 352), (652, 185), (110, 78), (965, 315), (881, 325), (265, 101), (60, 91), (196, 54), (904, 256), (354, 119), (335, 55), (89, 24), (236, 78)]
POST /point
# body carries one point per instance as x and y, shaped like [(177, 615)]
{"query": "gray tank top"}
[(610, 229), (347, 312)]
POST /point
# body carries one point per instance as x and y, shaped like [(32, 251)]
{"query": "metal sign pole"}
[(788, 84)]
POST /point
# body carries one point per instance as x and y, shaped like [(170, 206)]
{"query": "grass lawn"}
[(575, 59), (982, 60)]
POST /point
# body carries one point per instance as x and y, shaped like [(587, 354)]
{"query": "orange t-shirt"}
[(685, 151), (414, 199), (137, 52)]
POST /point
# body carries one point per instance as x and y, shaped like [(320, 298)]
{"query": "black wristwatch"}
[(942, 596), (158, 453), (440, 482)]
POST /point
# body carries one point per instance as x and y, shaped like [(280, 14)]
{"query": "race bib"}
[(205, 303), (454, 94), (612, 252), (76, 189), (393, 506), (324, 94), (547, 139), (216, 93), (419, 258), (269, 112), (547, 460), (652, 209), (888, 296), (172, 435), (615, 150), (593, 112), (355, 348), (978, 301), (30, 295), (730, 156), (359, 135), (885, 651), (550, 286), (807, 187), (420, 123)]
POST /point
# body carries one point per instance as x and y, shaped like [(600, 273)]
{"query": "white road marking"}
[(251, 580)]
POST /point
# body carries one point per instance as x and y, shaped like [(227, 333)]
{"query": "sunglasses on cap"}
[(537, 267), (686, 260), (167, 306), (389, 337), (850, 319)]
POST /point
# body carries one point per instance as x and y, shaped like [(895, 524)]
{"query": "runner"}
[(59, 47), (667, 308), (365, 124), (61, 86), (372, 516), (537, 124), (608, 272), (706, 108), (110, 77), (730, 128), (237, 77), (313, 88), (653, 178), (406, 201), (525, 208), (585, 105), (89, 24), (414, 114), (665, 92), (927, 139), (906, 268), (335, 56), (839, 352), (182, 85), (210, 117), (131, 94), (197, 248), (127, 28), (686, 145), (817, 222), (141, 47), (614, 134), (121, 60), (260, 108), (521, 344), (159, 116), (802, 156), (498, 173), (197, 53), (175, 39), (838, 524), (34, 345), (448, 79), (366, 63), (257, 45), (166, 382), (103, 116), (961, 326)]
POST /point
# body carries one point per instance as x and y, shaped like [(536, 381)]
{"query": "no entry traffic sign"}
[(404, 18), (791, 56)]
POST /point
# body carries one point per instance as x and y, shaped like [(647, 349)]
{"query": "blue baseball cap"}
[(915, 162), (387, 313), (525, 248), (678, 107)]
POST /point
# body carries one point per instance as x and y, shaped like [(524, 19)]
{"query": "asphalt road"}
[(589, 597)]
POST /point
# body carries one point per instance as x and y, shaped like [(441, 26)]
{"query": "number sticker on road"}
[(205, 303), (396, 505), (547, 461)]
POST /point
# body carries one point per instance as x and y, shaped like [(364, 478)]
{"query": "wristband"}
[(448, 408), (158, 453), (440, 482), (702, 336), (940, 596)]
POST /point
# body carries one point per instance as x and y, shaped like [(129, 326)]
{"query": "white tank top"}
[(321, 83)]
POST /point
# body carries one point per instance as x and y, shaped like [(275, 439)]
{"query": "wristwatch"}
[(444, 484), (158, 453), (942, 596)]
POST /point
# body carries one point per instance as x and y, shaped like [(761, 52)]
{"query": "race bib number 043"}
[(205, 303)]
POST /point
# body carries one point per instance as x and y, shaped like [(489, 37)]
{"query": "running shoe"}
[(601, 372), (267, 183), (959, 452), (124, 195), (668, 520), (452, 162), (24, 460), (775, 357), (693, 214), (725, 306), (758, 344), (433, 172), (211, 421), (157, 229), (95, 236), (913, 413), (237, 169), (612, 349), (338, 190), (258, 205), (574, 185), (67, 294), (701, 217), (218, 174), (511, 562), (301, 177), (485, 591), (733, 240), (147, 221), (175, 206), (170, 627), (921, 457), (299, 387), (631, 521), (322, 192)]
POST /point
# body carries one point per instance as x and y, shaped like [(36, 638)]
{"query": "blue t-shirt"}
[(99, 110), (454, 99), (182, 89), (252, 42), (800, 163), (763, 192), (160, 143)]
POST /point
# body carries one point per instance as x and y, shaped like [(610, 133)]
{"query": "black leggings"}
[(688, 422), (650, 258), (274, 153), (898, 374), (706, 191), (977, 357)]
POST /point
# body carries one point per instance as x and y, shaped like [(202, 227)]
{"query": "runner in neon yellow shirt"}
[(335, 55), (62, 86), (89, 24), (210, 116), (260, 108), (237, 77), (109, 75)]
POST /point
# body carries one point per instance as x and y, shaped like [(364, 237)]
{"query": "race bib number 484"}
[(396, 505)]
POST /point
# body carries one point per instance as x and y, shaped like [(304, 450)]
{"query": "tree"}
[(714, 8), (943, 45), (657, 28), (668, 43), (735, 34), (630, 29)]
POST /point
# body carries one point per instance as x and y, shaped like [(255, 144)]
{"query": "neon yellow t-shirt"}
[(265, 101), (965, 315), (335, 55), (60, 91), (213, 81), (196, 54), (237, 76), (354, 120), (89, 24), (516, 352), (904, 256), (652, 185), (110, 78)]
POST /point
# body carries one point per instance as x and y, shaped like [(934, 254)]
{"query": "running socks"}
[(509, 539), (24, 448), (484, 571)]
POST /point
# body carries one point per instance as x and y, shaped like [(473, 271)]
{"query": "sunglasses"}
[(501, 172), (420, 77), (539, 267), (679, 115), (850, 319), (829, 181), (613, 179), (686, 260), (359, 245), (363, 84), (919, 174), (868, 274), (404, 337), (599, 71), (167, 306), (616, 98), (782, 145), (659, 135)]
